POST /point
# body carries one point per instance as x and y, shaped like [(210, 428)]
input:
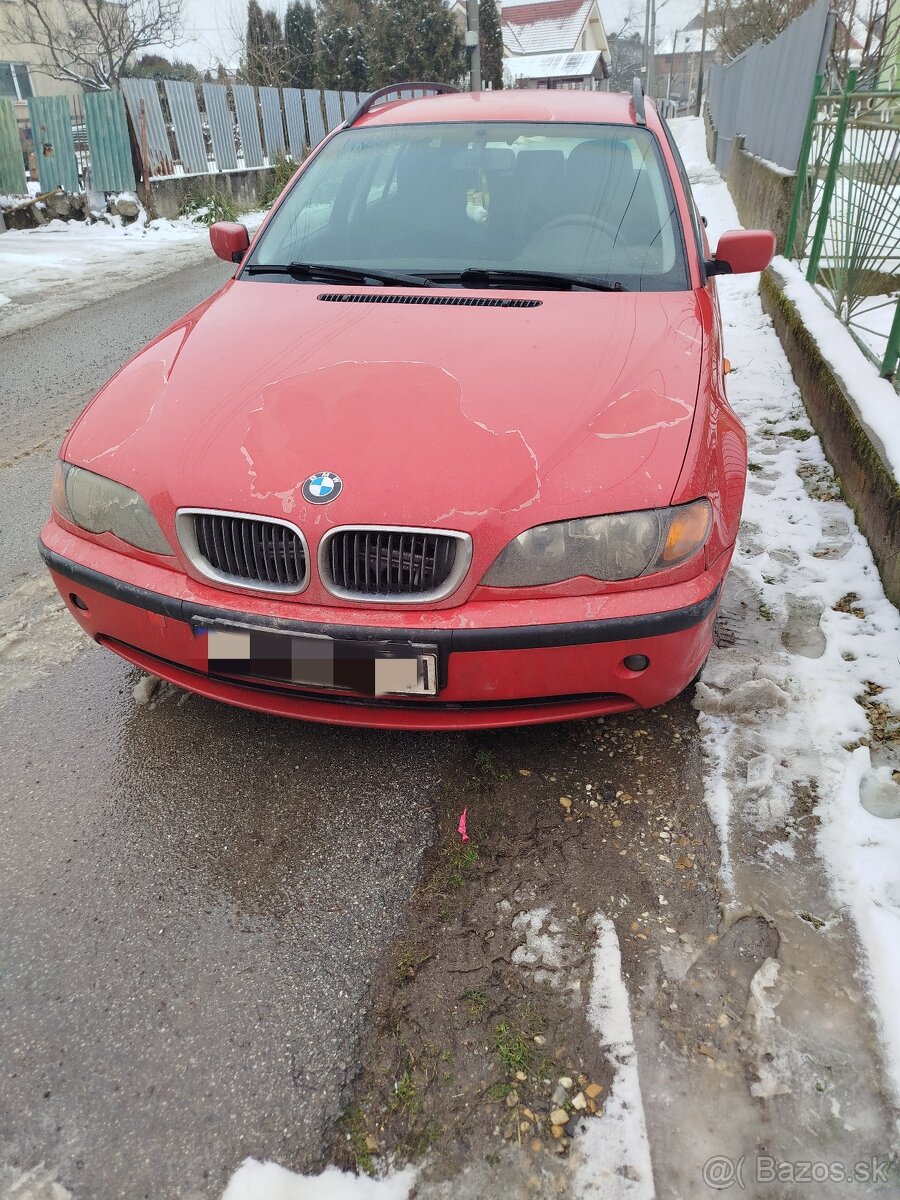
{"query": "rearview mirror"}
[(741, 251), (229, 240)]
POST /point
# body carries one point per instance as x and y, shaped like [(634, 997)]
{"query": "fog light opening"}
[(77, 601), (636, 662)]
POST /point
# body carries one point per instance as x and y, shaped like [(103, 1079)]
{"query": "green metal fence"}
[(107, 136), (53, 142), (12, 164), (845, 222)]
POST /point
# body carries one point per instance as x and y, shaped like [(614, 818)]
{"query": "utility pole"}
[(672, 64), (473, 47), (889, 74), (650, 86), (646, 45), (699, 101)]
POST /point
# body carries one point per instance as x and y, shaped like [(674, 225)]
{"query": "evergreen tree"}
[(491, 43), (343, 60), (300, 40), (265, 54), (414, 39), (255, 36)]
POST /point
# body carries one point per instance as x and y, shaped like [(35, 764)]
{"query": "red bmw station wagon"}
[(452, 447)]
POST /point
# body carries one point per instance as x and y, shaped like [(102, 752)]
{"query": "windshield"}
[(437, 200)]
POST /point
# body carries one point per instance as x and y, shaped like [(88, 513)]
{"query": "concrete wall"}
[(710, 135), (762, 193), (867, 484), (246, 189)]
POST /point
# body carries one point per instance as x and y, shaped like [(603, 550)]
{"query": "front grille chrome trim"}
[(387, 535), (245, 551)]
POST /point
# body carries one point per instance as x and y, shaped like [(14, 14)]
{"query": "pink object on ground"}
[(462, 825)]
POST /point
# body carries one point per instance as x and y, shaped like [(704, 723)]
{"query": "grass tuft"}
[(208, 207)]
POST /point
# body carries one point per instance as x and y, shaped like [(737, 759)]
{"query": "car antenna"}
[(637, 99), (395, 89)]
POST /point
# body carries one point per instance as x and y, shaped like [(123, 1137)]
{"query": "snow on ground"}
[(267, 1181), (611, 1155), (60, 265), (814, 636)]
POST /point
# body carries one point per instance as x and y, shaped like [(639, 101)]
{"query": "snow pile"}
[(876, 401), (808, 665), (267, 1181), (611, 1155)]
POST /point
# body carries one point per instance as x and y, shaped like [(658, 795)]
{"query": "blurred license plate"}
[(369, 668)]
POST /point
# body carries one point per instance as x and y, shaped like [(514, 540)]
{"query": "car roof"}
[(568, 106)]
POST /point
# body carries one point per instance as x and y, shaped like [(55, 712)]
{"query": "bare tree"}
[(89, 42), (860, 37), (626, 52)]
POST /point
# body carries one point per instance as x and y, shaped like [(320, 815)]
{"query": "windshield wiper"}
[(490, 276), (329, 274)]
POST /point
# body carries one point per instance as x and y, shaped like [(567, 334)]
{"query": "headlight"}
[(619, 546), (102, 506)]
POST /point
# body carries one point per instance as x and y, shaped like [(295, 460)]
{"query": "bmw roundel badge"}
[(322, 488)]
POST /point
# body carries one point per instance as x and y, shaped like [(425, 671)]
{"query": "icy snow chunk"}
[(760, 772), (753, 696), (145, 689), (768, 1085), (36, 1184), (763, 1008), (879, 793)]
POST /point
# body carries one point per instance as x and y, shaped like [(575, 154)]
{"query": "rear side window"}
[(588, 199)]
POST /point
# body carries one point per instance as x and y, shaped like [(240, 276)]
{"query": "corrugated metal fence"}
[(765, 93), (187, 129), (106, 133)]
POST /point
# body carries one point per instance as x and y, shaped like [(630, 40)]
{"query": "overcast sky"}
[(208, 26)]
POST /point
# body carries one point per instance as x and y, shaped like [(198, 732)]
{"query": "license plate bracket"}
[(375, 667)]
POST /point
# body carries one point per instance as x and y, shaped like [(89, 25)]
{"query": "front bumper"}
[(501, 662)]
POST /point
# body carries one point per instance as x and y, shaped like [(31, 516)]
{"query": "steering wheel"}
[(580, 219)]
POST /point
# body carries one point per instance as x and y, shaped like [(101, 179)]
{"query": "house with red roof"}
[(554, 43), (550, 43), (551, 26)]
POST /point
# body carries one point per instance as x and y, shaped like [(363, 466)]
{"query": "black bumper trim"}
[(456, 641)]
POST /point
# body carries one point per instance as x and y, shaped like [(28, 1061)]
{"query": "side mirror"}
[(741, 251), (229, 240)]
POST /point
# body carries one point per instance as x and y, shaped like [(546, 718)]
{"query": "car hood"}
[(432, 413)]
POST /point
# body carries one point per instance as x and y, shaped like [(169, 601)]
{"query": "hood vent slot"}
[(460, 301)]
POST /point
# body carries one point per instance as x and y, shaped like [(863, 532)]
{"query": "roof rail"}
[(637, 99), (392, 89)]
